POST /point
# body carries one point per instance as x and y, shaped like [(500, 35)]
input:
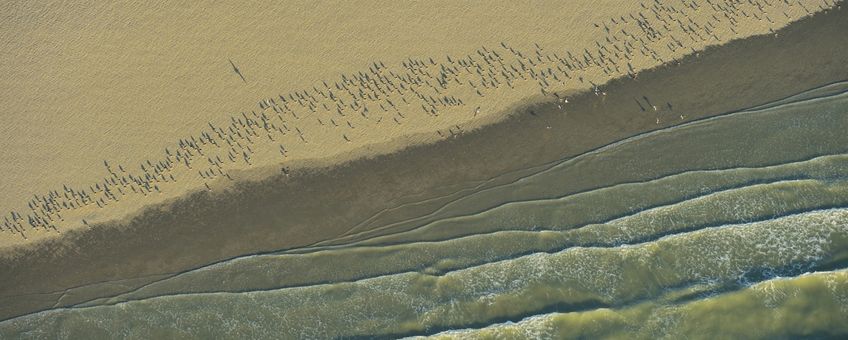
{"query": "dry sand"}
[(122, 84), (310, 207)]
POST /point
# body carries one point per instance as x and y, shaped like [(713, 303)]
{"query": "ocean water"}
[(733, 226)]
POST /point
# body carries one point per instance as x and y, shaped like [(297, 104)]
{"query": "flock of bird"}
[(424, 87)]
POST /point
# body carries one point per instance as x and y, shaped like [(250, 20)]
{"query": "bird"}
[(236, 69)]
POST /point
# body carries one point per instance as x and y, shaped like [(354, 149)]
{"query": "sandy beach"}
[(256, 155), (129, 142)]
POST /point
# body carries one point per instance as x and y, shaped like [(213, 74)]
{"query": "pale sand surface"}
[(285, 213), (122, 83)]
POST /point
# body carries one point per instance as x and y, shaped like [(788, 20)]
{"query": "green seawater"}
[(729, 227), (812, 305)]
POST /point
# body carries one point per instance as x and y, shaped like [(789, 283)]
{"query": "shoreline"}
[(596, 65), (274, 218)]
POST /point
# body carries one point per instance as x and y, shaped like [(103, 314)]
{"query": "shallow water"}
[(705, 230), (812, 305)]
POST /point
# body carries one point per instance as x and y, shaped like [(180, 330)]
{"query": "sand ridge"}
[(421, 99)]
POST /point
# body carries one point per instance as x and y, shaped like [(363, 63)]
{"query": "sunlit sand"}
[(382, 170)]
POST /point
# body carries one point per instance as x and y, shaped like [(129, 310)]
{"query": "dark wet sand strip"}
[(573, 211), (283, 213)]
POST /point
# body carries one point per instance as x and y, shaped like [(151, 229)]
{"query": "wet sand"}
[(306, 208)]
